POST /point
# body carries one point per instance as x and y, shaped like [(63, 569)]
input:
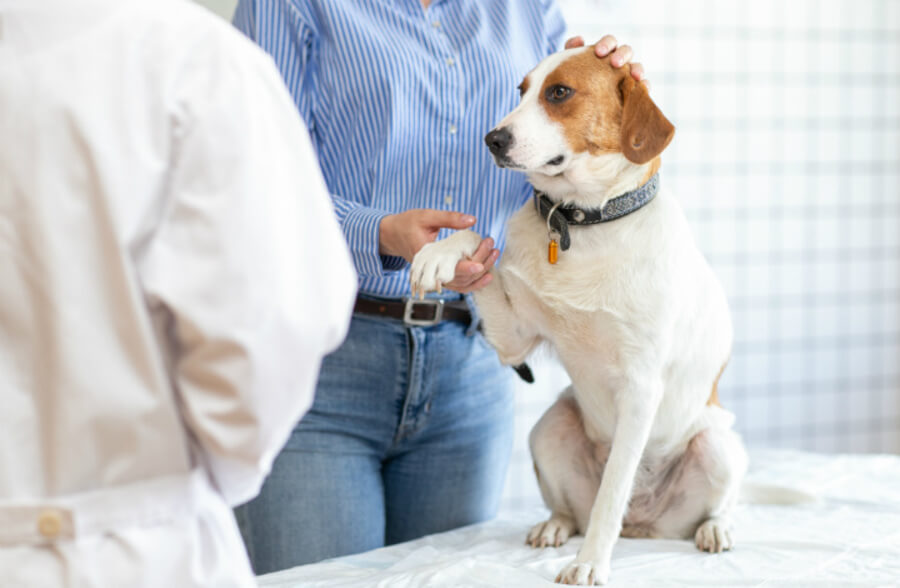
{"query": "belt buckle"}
[(411, 303)]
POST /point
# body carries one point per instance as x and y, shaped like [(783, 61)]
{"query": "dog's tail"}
[(776, 495), (524, 372)]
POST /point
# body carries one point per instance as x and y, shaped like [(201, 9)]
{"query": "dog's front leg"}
[(512, 336), (434, 265), (636, 409)]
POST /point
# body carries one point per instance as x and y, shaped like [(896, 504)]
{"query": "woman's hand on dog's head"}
[(619, 55)]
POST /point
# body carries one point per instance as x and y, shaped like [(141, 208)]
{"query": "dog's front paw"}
[(435, 263), (714, 536), (551, 533), (584, 574)]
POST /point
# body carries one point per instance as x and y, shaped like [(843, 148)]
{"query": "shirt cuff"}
[(361, 229)]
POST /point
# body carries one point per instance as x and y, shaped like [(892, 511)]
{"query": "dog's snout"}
[(499, 141)]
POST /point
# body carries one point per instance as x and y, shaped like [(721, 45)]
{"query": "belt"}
[(419, 313), (427, 312), (145, 502)]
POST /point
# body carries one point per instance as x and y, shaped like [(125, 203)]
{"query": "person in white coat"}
[(171, 274)]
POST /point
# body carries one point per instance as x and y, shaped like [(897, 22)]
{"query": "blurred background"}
[(786, 159)]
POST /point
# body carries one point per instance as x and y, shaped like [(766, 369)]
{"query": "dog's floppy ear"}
[(645, 131)]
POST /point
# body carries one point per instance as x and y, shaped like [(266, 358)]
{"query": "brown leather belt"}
[(421, 313), (425, 313)]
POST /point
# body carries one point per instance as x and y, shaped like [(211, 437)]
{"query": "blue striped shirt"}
[(398, 99)]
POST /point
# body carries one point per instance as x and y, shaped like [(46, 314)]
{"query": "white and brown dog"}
[(638, 444)]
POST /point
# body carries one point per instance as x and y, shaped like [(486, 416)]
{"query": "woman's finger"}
[(483, 251), (573, 42), (637, 72), (430, 219), (469, 274), (605, 45), (621, 56), (465, 273), (491, 259)]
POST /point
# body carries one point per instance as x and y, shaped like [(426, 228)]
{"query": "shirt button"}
[(452, 129), (436, 24), (451, 62), (49, 523), (448, 199)]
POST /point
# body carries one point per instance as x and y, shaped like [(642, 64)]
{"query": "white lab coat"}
[(171, 274)]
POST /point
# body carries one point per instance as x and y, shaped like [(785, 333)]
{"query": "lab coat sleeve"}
[(248, 268)]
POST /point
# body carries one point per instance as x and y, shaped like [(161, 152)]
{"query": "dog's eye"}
[(557, 93)]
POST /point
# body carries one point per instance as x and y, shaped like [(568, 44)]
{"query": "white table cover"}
[(849, 537)]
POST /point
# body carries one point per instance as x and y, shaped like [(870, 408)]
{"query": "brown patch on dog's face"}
[(603, 109), (524, 85)]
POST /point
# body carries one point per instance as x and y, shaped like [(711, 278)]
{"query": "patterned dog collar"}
[(563, 216)]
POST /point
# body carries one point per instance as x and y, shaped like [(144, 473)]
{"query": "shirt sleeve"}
[(288, 31), (248, 269), (555, 25)]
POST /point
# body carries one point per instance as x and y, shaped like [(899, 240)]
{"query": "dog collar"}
[(559, 217)]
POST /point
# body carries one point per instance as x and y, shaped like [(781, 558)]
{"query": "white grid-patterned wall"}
[(786, 159)]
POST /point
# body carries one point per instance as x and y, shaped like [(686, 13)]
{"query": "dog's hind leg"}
[(694, 497), (721, 455), (568, 468)]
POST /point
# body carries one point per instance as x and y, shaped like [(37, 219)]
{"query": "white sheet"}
[(850, 537)]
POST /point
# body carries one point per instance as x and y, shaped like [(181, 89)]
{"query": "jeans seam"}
[(411, 382)]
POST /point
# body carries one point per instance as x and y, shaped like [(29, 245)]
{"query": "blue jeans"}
[(410, 433)]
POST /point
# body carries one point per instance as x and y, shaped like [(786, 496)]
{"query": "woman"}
[(410, 431)]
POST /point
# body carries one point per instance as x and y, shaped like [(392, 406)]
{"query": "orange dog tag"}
[(552, 251)]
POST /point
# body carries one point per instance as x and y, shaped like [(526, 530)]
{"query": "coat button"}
[(50, 523)]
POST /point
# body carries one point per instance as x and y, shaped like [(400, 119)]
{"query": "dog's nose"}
[(498, 141)]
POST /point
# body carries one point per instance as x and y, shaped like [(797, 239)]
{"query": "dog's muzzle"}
[(499, 141)]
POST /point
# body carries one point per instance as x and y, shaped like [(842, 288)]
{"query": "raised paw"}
[(583, 574), (714, 536), (551, 533), (435, 263)]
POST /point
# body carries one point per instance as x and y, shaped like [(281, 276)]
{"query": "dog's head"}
[(582, 127)]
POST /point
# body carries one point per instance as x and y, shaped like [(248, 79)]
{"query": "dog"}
[(604, 269)]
